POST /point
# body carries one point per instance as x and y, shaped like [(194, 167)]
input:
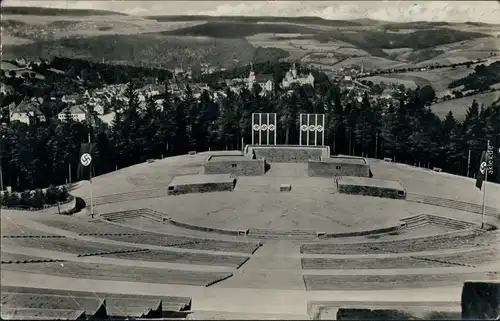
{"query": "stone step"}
[(120, 215), (282, 232), (417, 225)]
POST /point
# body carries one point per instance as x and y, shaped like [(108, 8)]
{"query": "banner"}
[(83, 170), (264, 128), (312, 129), (490, 159), (481, 172)]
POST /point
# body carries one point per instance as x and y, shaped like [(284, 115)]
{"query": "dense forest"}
[(39, 155), (481, 78)]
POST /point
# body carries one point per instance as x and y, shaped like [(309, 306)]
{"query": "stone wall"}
[(371, 191), (201, 187), (239, 166), (481, 300), (66, 207), (329, 167), (287, 154)]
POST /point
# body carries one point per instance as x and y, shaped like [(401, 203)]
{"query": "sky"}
[(400, 11)]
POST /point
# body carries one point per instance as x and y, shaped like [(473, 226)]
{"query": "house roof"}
[(26, 107), (76, 109), (264, 78)]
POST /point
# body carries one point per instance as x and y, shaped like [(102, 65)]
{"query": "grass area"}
[(408, 82), (459, 106), (439, 79), (368, 63)]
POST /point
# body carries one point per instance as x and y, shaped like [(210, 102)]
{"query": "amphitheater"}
[(270, 232)]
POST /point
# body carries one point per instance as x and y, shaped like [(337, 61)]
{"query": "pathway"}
[(266, 270)]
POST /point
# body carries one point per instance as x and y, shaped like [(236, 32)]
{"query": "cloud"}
[(459, 11), (453, 11)]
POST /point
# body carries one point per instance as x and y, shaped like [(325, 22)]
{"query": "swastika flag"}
[(83, 172), (312, 129), (264, 128)]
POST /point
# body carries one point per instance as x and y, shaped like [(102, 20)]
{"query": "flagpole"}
[(484, 191), (90, 181)]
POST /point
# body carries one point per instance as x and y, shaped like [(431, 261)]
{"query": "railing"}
[(127, 196), (453, 204)]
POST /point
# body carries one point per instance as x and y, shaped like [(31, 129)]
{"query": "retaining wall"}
[(287, 153), (338, 166), (236, 165), (206, 228), (375, 191), (201, 187)]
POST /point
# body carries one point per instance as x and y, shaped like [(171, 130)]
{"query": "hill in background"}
[(329, 45), (40, 11), (285, 37)]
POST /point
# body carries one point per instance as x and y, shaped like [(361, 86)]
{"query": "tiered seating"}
[(452, 223), (416, 221), (112, 272), (15, 258), (452, 240), (82, 227), (12, 230), (122, 216), (457, 205), (382, 282), (153, 215), (42, 314), (128, 196), (68, 245), (368, 263), (42, 302), (130, 235), (282, 234), (183, 258), (476, 257), (90, 305), (426, 219), (223, 246), (458, 259)]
